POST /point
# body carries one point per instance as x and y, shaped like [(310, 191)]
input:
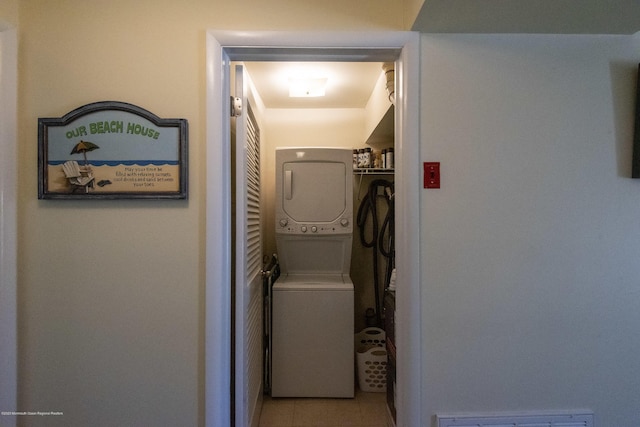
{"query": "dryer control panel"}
[(341, 226)]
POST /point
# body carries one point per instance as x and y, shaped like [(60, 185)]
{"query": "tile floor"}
[(365, 410)]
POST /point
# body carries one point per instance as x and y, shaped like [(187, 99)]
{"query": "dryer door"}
[(314, 191)]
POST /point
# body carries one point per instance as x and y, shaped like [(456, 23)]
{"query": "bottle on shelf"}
[(388, 164)]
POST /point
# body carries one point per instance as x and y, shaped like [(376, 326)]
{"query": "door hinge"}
[(236, 106)]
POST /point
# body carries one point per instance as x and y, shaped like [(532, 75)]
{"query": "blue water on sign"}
[(120, 162)]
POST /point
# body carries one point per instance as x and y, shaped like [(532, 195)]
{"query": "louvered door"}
[(248, 318)]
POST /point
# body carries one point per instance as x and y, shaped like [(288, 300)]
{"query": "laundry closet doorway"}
[(224, 47)]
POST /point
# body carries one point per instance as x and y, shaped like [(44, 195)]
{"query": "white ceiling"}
[(349, 84)]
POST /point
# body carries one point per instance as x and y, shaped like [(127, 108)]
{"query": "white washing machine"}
[(312, 314)]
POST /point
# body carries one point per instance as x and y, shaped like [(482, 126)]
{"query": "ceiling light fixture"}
[(306, 87)]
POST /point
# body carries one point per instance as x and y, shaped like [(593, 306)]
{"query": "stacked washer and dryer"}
[(312, 344)]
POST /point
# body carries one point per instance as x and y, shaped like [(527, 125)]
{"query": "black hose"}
[(387, 238), (368, 208)]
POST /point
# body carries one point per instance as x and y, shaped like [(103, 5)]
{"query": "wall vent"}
[(554, 419)]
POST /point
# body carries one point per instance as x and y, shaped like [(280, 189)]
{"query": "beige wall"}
[(110, 292), (8, 13)]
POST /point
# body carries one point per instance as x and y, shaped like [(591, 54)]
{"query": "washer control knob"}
[(314, 229), (344, 222), (283, 222), (303, 228)]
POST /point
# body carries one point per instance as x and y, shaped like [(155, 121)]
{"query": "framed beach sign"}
[(112, 150)]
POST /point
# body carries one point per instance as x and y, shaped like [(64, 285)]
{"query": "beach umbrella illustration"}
[(83, 147)]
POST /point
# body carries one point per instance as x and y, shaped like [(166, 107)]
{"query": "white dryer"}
[(312, 314)]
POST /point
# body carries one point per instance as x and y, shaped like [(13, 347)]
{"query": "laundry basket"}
[(371, 357)]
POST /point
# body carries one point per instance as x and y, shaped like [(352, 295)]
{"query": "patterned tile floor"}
[(365, 410)]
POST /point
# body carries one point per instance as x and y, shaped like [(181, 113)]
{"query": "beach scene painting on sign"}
[(109, 150)]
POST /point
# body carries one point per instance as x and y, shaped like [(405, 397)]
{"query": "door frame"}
[(225, 46), (8, 220)]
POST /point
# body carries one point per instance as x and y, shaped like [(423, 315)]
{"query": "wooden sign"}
[(112, 150)]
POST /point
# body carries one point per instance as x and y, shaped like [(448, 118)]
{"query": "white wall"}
[(530, 268)]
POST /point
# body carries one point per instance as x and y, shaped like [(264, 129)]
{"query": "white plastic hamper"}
[(371, 357)]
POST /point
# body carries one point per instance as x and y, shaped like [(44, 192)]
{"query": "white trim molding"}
[(8, 223), (224, 46)]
